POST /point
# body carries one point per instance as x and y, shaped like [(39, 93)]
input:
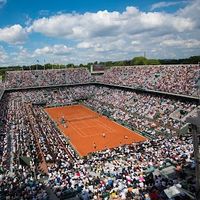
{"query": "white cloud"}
[(85, 45), (181, 43), (28, 21), (164, 4), (105, 45), (55, 50), (2, 3), (76, 25), (191, 11), (15, 34), (109, 24), (44, 12), (135, 42), (105, 35), (3, 55)]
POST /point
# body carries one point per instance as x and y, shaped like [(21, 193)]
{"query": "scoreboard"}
[(97, 69)]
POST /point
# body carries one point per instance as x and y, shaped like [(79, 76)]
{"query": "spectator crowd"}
[(32, 149), (144, 112), (40, 78), (178, 79)]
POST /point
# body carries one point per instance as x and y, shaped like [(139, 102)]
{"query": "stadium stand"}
[(178, 79), (37, 78), (35, 157)]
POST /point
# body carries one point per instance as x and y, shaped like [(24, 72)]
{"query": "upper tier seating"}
[(179, 79), (38, 78)]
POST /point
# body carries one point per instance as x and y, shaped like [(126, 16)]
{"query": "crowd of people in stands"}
[(179, 79), (17, 181), (58, 96), (39, 78), (147, 113), (126, 172)]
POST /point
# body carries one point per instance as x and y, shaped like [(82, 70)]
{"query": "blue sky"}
[(76, 31)]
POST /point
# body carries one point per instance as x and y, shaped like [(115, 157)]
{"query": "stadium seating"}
[(178, 79), (38, 78), (32, 149)]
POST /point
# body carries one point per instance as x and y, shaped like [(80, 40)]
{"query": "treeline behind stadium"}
[(135, 61)]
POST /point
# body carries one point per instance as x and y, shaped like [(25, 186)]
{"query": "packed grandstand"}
[(37, 161)]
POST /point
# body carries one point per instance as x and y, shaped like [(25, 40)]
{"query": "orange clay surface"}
[(89, 131)]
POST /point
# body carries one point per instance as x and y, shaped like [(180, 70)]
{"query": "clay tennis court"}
[(89, 131)]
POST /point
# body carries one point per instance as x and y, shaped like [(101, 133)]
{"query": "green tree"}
[(70, 65), (153, 62), (139, 61)]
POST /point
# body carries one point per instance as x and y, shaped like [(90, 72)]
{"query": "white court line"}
[(105, 126), (81, 133), (86, 108), (108, 129), (102, 125), (133, 132), (77, 128), (83, 124), (85, 135), (78, 131)]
